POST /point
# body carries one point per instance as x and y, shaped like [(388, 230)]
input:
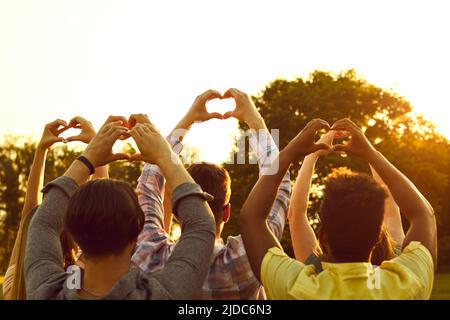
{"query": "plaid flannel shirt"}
[(230, 275)]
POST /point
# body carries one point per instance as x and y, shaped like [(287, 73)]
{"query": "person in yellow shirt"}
[(351, 220)]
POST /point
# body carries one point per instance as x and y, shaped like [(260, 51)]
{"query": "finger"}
[(73, 138), (107, 128), (138, 118), (315, 125), (116, 132), (345, 124), (59, 131), (214, 115), (136, 157), (57, 123), (341, 148), (117, 118), (137, 131), (57, 139), (124, 136), (228, 114), (212, 94), (231, 93), (321, 146), (119, 156)]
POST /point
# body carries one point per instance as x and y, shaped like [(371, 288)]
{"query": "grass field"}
[(441, 290)]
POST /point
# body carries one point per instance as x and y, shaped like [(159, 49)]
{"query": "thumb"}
[(119, 156), (339, 148), (214, 115), (136, 157), (227, 115), (320, 146), (72, 138), (57, 139)]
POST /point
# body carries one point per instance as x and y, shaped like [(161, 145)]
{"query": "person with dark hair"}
[(104, 218), (351, 222), (230, 275), (14, 282)]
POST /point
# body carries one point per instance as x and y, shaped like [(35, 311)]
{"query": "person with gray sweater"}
[(104, 218)]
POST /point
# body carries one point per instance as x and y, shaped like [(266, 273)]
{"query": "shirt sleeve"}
[(154, 245), (418, 260), (266, 151), (278, 274), (43, 265)]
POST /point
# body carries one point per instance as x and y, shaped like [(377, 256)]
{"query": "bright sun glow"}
[(61, 58)]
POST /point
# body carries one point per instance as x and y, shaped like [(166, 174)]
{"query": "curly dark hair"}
[(351, 215)]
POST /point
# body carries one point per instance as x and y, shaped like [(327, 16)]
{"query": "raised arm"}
[(43, 258), (186, 269), (35, 184), (265, 149), (86, 135), (413, 205), (36, 177), (303, 237), (257, 236), (392, 216)]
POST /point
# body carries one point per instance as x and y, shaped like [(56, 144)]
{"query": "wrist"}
[(187, 121), (255, 121), (78, 172)]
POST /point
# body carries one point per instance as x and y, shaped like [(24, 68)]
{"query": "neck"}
[(100, 274), (329, 258)]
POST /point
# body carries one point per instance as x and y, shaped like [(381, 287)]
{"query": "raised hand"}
[(87, 130), (152, 145), (51, 133), (245, 108), (358, 145), (99, 150), (304, 144), (198, 111)]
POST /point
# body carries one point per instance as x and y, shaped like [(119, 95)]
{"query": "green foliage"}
[(411, 143), (16, 158)]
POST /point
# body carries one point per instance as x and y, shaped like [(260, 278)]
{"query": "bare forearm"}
[(101, 172), (35, 181), (304, 240), (392, 215), (302, 187), (174, 172), (410, 201), (255, 121), (182, 127)]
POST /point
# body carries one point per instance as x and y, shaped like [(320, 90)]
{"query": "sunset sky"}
[(92, 58)]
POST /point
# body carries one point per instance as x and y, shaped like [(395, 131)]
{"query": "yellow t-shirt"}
[(408, 276)]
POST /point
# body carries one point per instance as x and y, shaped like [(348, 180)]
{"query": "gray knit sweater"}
[(181, 278)]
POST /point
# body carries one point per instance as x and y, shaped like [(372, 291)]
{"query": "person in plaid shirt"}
[(230, 275)]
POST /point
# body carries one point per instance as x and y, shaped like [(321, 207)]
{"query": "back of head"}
[(351, 215), (215, 180), (103, 217)]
